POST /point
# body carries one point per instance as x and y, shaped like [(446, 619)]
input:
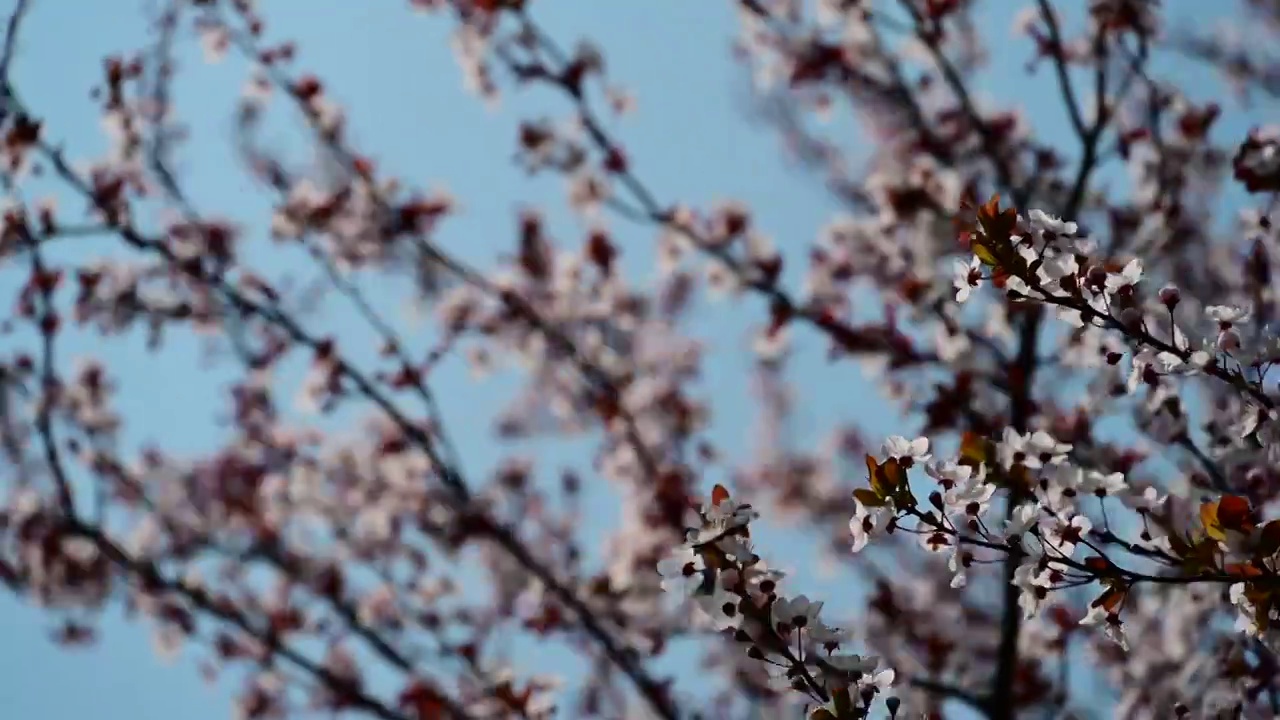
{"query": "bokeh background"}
[(693, 137)]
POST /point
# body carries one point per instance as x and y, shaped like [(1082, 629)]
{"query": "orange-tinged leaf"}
[(1241, 569), (1263, 601), (997, 224), (842, 699), (973, 448), (990, 207), (1257, 596), (1098, 564), (886, 477), (868, 497), (719, 494), (894, 472), (872, 473), (1209, 518)]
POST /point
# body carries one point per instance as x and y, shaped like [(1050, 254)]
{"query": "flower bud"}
[(935, 499), (1170, 296)]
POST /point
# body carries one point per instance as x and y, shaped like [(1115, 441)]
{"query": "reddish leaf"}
[(423, 700), (1233, 512), (1110, 599), (719, 494), (1098, 564)]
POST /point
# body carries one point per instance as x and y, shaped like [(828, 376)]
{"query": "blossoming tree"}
[(1093, 489)]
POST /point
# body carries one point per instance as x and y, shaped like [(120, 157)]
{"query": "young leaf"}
[(719, 494)]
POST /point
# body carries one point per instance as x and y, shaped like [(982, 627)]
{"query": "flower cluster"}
[(734, 590)]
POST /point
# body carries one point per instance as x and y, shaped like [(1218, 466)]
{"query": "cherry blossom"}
[(908, 451), (682, 572)]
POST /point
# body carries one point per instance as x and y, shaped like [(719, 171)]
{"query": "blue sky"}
[(395, 75)]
